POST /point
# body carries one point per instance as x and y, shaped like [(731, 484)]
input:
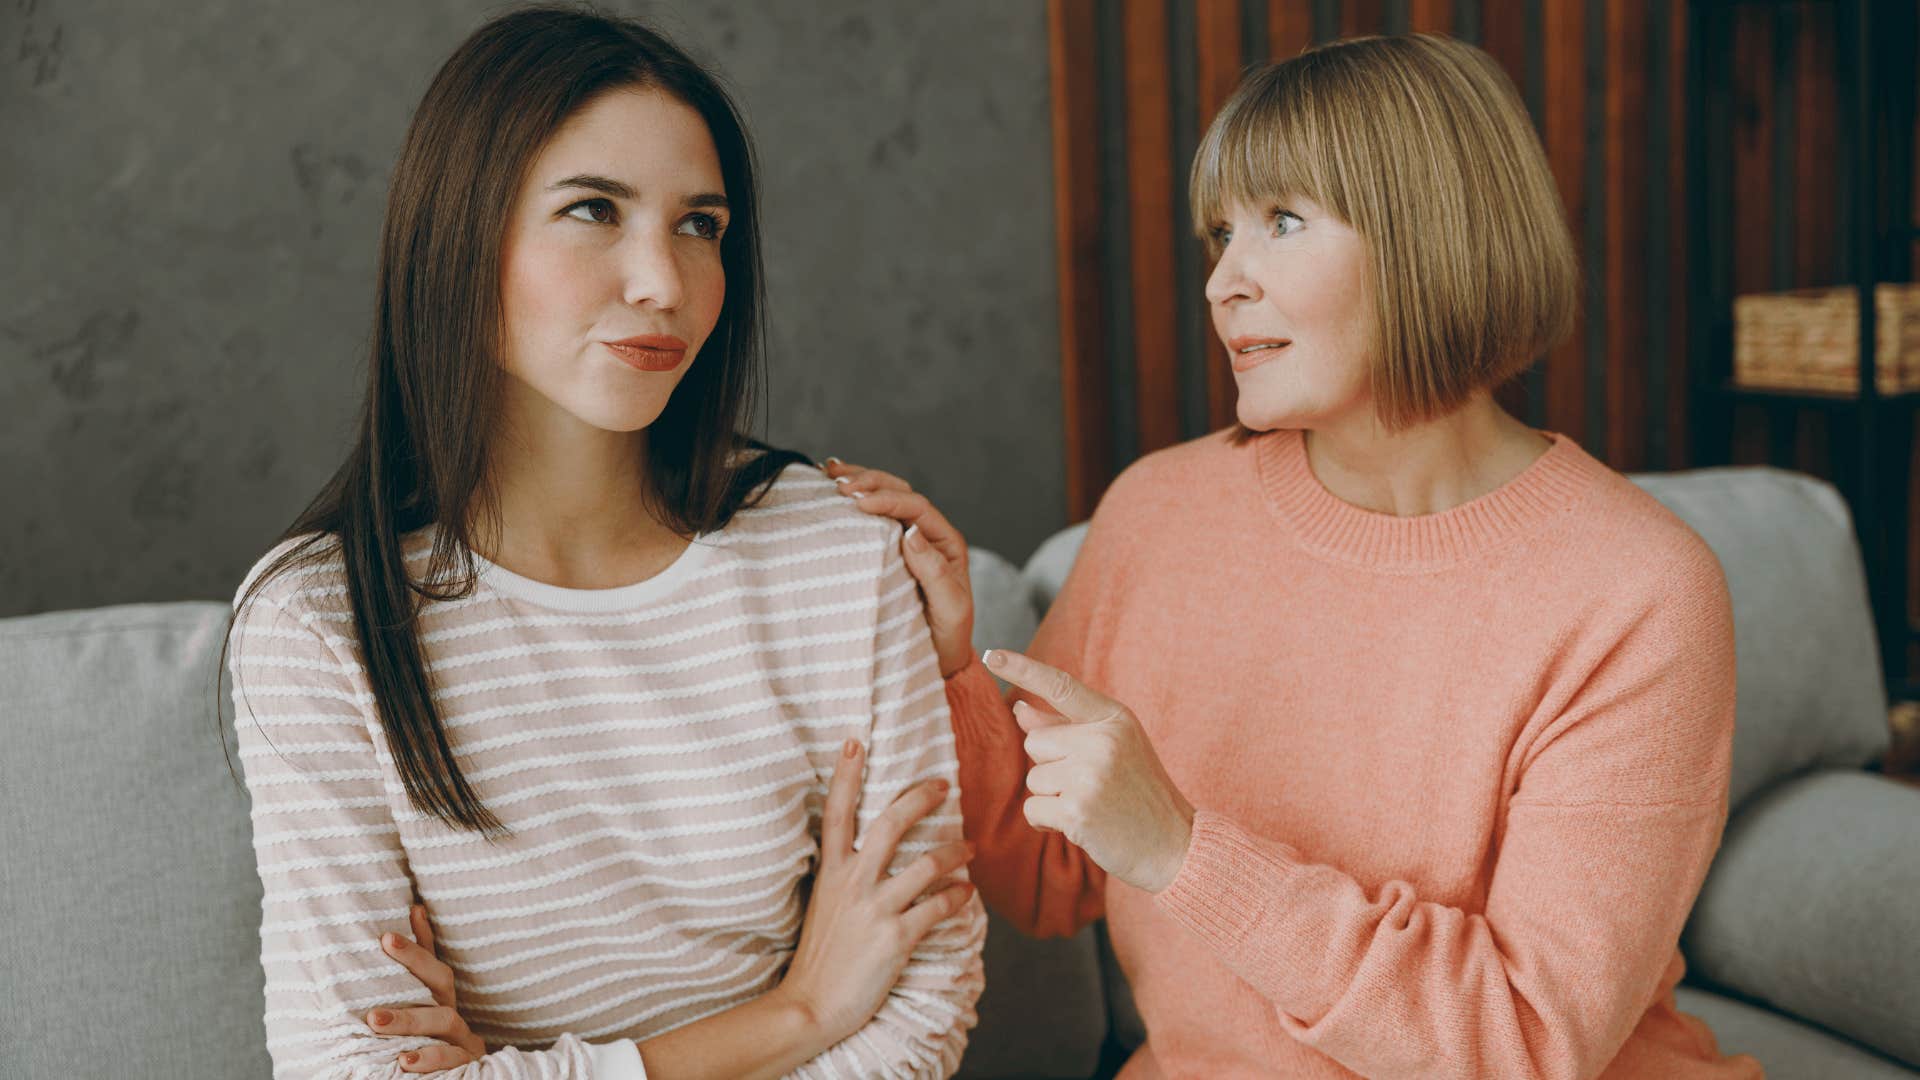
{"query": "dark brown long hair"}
[(433, 375)]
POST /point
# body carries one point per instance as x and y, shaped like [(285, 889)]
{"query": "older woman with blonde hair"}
[(1390, 735)]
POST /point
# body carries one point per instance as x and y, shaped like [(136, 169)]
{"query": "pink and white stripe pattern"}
[(661, 752)]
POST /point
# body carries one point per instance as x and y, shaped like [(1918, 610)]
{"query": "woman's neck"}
[(572, 507), (1426, 469)]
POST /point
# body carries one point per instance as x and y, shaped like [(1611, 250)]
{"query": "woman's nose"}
[(1228, 280), (654, 275)]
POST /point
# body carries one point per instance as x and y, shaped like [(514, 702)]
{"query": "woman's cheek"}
[(547, 284), (713, 296)]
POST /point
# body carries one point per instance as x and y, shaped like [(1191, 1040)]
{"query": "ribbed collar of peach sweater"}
[(1554, 485)]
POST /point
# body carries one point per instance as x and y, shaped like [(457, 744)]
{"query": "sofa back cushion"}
[(1810, 907), (1810, 690), (130, 897)]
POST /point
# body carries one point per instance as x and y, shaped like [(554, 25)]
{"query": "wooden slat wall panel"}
[(1752, 246), (1084, 368), (1289, 28), (1677, 384), (1628, 334), (1544, 47), (1816, 184), (1432, 16), (1149, 111), (1503, 35), (1220, 51), (1564, 54), (1359, 17)]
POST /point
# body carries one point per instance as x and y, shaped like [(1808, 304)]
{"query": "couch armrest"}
[(1813, 906)]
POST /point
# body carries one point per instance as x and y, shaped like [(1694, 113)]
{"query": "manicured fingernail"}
[(941, 786), (914, 540), (831, 460), (381, 1018), (991, 658), (843, 479), (396, 942), (851, 748), (409, 1058)]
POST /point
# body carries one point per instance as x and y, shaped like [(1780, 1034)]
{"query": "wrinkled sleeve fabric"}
[(334, 874), (1607, 838), (1038, 881), (921, 1029)]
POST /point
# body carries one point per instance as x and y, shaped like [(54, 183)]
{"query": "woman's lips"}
[(648, 357), (1245, 360)]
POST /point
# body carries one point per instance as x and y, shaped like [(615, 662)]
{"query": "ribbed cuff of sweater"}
[(1226, 887), (980, 715), (616, 1060)]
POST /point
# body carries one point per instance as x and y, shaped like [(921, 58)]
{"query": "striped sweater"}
[(661, 753)]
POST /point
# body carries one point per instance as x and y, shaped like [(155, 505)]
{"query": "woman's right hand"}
[(935, 552), (862, 925)]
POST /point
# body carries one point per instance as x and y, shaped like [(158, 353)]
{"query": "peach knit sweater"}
[(1459, 776)]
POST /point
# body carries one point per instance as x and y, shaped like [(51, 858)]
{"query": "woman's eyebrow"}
[(620, 190), (603, 184)]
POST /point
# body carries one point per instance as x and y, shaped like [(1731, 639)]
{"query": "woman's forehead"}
[(647, 137)]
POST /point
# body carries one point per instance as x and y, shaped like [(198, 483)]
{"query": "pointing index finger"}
[(1069, 696)]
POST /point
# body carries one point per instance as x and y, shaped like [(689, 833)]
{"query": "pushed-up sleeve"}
[(1040, 882), (334, 874), (921, 1029), (1607, 838)]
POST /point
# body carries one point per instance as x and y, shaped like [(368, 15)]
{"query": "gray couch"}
[(132, 909)]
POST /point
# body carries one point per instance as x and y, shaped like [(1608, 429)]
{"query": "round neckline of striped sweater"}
[(618, 598), (1557, 482)]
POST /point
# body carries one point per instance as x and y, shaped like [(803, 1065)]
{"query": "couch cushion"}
[(1047, 567), (1003, 607), (1043, 1013), (1810, 691), (130, 892), (1787, 1049), (1813, 906)]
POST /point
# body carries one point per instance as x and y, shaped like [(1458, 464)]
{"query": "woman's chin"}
[(1256, 415)]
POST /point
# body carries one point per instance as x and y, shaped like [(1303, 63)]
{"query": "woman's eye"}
[(595, 207), (1281, 217), (704, 226)]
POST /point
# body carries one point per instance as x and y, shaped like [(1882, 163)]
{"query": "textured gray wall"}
[(190, 202)]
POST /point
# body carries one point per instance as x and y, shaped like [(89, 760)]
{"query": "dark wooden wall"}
[(1136, 81)]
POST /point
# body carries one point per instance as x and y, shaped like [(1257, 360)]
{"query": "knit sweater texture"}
[(1458, 776), (660, 752)]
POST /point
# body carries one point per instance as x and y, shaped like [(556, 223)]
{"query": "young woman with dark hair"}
[(565, 675)]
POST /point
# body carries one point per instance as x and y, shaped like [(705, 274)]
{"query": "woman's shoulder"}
[(300, 575), (802, 515), (1174, 477), (1640, 545)]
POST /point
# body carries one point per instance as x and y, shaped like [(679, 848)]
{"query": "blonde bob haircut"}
[(1420, 143)]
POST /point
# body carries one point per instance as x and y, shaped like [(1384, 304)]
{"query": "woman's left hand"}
[(459, 1045), (935, 552), (1095, 777)]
